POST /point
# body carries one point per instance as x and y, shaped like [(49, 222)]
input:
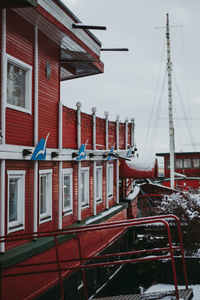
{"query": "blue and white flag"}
[(129, 152), (82, 152), (40, 150), (110, 157)]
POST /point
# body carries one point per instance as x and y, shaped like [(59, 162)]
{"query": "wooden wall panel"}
[(20, 44), (87, 130), (100, 133), (122, 136), (69, 128), (112, 134), (48, 90)]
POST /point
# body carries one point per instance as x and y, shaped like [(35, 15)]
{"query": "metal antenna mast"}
[(170, 109)]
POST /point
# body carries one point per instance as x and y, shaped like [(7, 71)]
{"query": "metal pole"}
[(170, 108)]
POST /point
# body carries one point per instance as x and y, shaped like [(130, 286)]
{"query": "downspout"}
[(94, 163), (117, 160), (132, 131), (35, 207), (126, 133), (3, 124), (60, 145), (78, 105), (106, 113), (126, 145)]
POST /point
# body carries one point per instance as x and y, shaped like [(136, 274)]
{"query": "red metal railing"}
[(80, 262)]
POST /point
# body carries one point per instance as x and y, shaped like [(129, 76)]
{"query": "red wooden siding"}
[(20, 44), (112, 134), (87, 130), (48, 90), (100, 133), (122, 136), (69, 128)]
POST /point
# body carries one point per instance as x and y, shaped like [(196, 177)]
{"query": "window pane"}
[(16, 85), (196, 163), (187, 163), (83, 187), (67, 191), (179, 163), (13, 199), (97, 183), (43, 193), (110, 181)]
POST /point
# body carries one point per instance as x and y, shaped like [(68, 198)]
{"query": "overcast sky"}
[(133, 82)]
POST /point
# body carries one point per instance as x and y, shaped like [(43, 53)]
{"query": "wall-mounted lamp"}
[(26, 152), (54, 154), (48, 70)]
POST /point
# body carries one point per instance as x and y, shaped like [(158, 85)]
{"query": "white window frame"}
[(47, 216), (86, 172), (18, 224), (110, 179), (99, 183), (28, 83), (69, 209)]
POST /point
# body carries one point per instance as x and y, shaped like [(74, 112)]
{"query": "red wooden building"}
[(187, 169), (43, 186)]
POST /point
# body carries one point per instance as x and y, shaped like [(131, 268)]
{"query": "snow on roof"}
[(142, 164)]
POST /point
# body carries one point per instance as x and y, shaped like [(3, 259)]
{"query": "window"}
[(168, 163), (110, 181), (85, 187), (196, 163), (179, 163), (187, 163), (16, 197), (19, 84), (98, 183), (45, 195), (67, 190)]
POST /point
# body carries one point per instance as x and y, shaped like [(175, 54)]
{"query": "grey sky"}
[(132, 80)]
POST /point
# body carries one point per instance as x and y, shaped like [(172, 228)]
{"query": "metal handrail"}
[(80, 263)]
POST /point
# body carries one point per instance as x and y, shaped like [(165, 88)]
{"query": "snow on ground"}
[(167, 287)]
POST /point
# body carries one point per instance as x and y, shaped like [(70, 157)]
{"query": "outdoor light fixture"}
[(82, 26), (114, 49), (54, 154), (26, 152)]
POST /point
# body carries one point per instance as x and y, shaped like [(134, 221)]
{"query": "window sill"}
[(45, 219), (84, 206), (15, 107), (99, 201), (67, 213), (15, 228)]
